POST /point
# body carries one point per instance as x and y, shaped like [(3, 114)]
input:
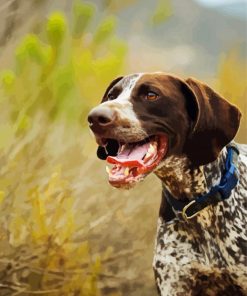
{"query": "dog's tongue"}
[(130, 155), (135, 160)]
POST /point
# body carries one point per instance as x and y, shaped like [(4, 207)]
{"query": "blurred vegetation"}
[(63, 230), (162, 12), (63, 70), (58, 75), (231, 82)]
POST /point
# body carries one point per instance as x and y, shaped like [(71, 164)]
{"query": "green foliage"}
[(162, 12), (8, 80), (55, 28), (57, 71), (105, 30), (83, 14), (30, 49)]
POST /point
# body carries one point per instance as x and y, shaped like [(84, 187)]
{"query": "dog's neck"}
[(183, 180)]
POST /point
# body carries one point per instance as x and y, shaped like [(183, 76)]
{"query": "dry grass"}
[(74, 230)]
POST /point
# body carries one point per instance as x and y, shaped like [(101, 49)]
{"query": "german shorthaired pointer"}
[(182, 131)]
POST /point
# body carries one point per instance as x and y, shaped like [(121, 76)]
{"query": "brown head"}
[(145, 118)]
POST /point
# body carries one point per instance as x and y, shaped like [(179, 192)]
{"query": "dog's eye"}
[(151, 96), (110, 97)]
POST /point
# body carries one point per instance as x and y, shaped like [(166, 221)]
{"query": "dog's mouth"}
[(133, 161)]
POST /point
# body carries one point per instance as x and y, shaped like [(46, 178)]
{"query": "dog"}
[(182, 131)]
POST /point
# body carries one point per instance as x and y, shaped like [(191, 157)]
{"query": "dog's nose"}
[(101, 117)]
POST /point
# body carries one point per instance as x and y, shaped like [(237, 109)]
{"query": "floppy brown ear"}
[(215, 125), (114, 81)]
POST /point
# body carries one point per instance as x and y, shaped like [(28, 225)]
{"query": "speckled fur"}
[(207, 255)]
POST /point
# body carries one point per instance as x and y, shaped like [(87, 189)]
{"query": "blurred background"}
[(63, 229)]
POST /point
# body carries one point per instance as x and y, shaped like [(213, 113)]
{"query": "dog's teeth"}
[(147, 155), (122, 148), (107, 170), (126, 172), (151, 149)]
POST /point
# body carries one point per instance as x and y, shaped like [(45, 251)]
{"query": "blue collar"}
[(190, 208)]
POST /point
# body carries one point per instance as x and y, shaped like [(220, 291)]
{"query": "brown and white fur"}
[(207, 254)]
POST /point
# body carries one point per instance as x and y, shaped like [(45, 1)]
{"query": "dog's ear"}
[(114, 81), (215, 122)]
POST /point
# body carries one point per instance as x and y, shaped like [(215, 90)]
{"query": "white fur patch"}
[(122, 104)]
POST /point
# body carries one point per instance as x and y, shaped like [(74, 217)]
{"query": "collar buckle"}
[(186, 215)]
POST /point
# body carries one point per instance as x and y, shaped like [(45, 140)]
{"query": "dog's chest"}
[(213, 242)]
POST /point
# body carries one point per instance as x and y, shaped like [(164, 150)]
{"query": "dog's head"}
[(144, 118)]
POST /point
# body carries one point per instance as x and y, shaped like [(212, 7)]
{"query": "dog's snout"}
[(101, 117)]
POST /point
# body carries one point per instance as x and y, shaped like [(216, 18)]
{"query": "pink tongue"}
[(131, 154)]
